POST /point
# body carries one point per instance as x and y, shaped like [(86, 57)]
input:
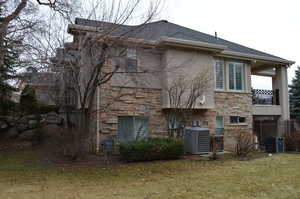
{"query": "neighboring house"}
[(43, 83), (167, 50)]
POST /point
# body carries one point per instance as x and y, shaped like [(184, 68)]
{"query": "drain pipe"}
[(98, 120)]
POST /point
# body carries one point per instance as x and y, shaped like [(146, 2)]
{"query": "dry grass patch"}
[(25, 175)]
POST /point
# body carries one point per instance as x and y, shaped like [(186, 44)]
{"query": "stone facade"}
[(234, 104), (118, 101)]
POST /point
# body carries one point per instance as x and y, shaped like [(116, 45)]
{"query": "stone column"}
[(280, 82)]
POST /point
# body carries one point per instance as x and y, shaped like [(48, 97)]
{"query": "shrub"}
[(152, 149), (245, 144), (292, 143)]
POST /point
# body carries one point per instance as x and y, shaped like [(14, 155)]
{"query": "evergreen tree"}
[(10, 66), (294, 94)]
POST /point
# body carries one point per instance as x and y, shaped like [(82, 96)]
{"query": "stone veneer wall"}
[(117, 101), (234, 104)]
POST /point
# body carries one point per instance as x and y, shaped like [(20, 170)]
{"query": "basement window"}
[(237, 120), (131, 128)]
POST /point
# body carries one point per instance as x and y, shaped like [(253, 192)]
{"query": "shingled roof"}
[(157, 30)]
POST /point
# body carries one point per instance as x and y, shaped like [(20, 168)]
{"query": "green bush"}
[(152, 149)]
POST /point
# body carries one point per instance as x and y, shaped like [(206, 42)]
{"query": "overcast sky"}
[(272, 26)]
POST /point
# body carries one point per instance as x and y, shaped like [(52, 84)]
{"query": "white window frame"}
[(131, 53), (224, 74), (220, 116), (238, 118), (234, 76)]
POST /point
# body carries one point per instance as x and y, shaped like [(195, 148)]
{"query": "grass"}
[(23, 175)]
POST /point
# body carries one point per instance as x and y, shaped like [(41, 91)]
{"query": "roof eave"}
[(75, 28), (252, 57), (168, 41)]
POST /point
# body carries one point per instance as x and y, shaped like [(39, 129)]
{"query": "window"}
[(236, 76), (131, 60), (237, 119), (219, 125), (132, 128), (219, 74)]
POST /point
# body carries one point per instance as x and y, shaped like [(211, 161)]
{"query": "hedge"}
[(152, 149)]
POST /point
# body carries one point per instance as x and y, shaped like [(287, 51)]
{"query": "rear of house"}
[(137, 105)]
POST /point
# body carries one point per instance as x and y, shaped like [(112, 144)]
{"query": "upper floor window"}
[(131, 60), (219, 74), (236, 76)]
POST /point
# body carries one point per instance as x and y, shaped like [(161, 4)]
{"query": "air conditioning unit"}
[(196, 140)]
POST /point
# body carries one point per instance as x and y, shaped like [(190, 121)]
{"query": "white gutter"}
[(256, 57)]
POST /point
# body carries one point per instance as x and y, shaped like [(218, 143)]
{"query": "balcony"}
[(266, 102), (265, 97)]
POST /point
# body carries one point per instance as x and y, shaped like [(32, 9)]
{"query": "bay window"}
[(229, 76)]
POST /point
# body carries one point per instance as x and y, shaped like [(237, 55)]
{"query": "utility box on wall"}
[(196, 140), (280, 146)]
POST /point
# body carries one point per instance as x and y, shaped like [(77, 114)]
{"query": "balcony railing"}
[(265, 97)]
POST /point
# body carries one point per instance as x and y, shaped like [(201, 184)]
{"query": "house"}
[(43, 83), (162, 51)]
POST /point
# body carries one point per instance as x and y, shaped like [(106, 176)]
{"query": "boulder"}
[(27, 135), (32, 124), (53, 118), (51, 130), (22, 127), (3, 125), (11, 133)]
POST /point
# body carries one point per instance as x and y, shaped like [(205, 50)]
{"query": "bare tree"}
[(184, 96), (21, 20), (95, 55)]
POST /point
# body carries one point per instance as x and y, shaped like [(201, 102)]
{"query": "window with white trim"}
[(131, 60), (131, 128), (219, 125), (219, 74), (236, 76), (237, 119)]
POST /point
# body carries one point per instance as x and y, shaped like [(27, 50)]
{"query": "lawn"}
[(24, 175)]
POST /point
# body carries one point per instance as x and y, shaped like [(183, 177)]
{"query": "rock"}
[(31, 117), (53, 118), (51, 130), (27, 135), (56, 121), (32, 124), (3, 125), (11, 133), (22, 127), (23, 120)]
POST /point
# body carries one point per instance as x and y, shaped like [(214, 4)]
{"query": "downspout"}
[(98, 120)]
